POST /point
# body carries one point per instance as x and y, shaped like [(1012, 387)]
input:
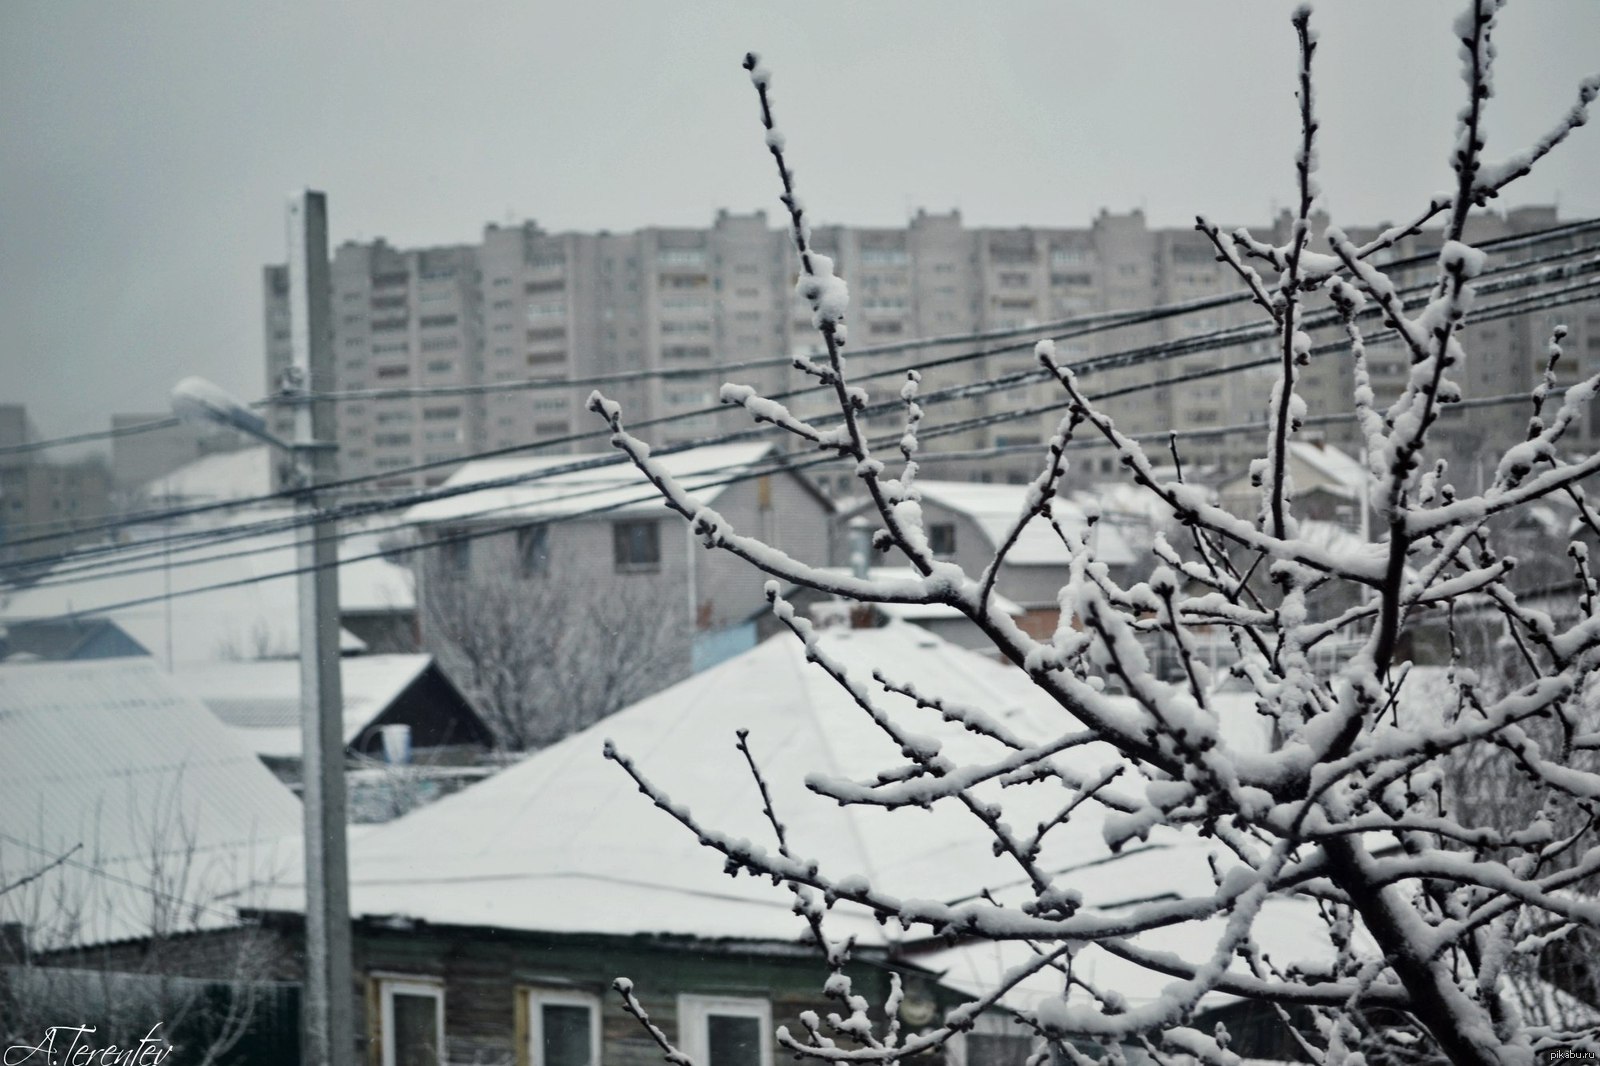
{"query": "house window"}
[(637, 545), (563, 1028), (942, 539), (533, 550), (411, 1017), (721, 1031)]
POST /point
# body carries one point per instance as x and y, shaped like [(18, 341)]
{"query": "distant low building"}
[(239, 474), (400, 711), (606, 525), (966, 523), (64, 639), (1328, 485), (140, 455), (207, 598)]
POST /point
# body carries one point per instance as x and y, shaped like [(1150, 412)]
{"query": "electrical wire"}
[(1227, 337), (1023, 379), (1112, 317)]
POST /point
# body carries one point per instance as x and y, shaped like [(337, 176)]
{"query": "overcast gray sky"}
[(146, 149)]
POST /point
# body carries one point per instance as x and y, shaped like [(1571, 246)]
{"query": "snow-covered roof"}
[(233, 475), (563, 842), (1337, 472), (618, 485), (110, 758), (255, 616), (260, 700), (996, 507)]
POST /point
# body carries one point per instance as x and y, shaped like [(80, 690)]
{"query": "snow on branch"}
[(1353, 782)]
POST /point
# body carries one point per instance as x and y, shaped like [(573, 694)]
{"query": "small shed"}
[(259, 701)]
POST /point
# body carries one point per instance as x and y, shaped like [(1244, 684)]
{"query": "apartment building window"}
[(391, 440), (681, 257), (539, 311), (685, 351), (563, 1028), (440, 414), (636, 545), (411, 1022), (724, 1031), (441, 366), (533, 551), (884, 257), (942, 539)]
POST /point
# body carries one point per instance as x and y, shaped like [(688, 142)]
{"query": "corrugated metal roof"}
[(255, 618), (619, 484), (170, 814), (563, 842)]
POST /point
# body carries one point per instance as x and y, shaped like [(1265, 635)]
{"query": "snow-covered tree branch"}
[(1366, 815)]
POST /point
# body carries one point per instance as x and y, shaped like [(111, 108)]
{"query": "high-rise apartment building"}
[(455, 350)]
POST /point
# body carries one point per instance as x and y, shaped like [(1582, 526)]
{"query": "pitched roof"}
[(996, 507), (257, 616), (563, 842), (1337, 471), (617, 485), (260, 700), (232, 475), (162, 802)]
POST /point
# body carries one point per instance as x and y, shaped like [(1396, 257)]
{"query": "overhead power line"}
[(1512, 275), (780, 464), (981, 421), (1111, 319), (1538, 301)]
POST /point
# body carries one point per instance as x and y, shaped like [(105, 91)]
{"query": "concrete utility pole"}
[(327, 1010)]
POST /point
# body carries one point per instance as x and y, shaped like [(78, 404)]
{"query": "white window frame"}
[(694, 1010), (538, 998), (388, 987)]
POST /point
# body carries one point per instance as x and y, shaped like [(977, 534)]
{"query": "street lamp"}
[(327, 1007)]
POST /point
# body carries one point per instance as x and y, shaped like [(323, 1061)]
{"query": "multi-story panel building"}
[(497, 345), (43, 504)]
